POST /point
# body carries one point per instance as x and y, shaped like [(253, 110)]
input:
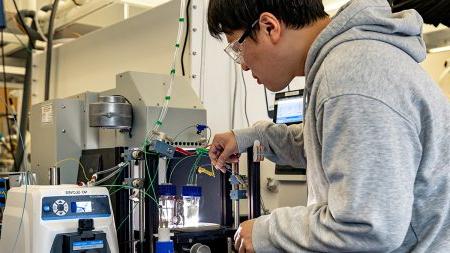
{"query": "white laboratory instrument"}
[(57, 219)]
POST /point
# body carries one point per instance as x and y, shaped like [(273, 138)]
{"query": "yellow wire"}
[(76, 160)]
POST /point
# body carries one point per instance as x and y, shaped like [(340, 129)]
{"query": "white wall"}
[(144, 43)]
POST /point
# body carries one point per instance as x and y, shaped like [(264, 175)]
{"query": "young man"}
[(376, 136)]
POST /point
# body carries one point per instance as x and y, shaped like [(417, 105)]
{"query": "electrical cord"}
[(48, 62), (23, 210), (245, 98), (185, 38), (233, 103), (267, 102), (27, 173), (21, 20), (5, 93)]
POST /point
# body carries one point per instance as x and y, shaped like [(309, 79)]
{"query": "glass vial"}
[(167, 205), (191, 204)]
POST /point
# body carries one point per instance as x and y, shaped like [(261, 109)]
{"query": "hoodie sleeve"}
[(283, 144), (370, 155)]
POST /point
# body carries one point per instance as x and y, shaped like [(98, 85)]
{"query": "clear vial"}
[(167, 205), (191, 205)]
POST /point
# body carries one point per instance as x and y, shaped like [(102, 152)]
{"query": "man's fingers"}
[(222, 151), (214, 153), (242, 248), (236, 235), (237, 243), (224, 157)]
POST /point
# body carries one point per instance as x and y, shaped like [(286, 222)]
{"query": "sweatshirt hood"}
[(368, 20)]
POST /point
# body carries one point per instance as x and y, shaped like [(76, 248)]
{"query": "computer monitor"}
[(289, 107), (288, 110)]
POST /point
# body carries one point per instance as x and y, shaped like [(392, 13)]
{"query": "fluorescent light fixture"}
[(439, 49), (145, 3)]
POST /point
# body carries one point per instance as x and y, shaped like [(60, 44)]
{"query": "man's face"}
[(267, 60)]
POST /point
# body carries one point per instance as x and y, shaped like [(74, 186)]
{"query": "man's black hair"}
[(227, 16)]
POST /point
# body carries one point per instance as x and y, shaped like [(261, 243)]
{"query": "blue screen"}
[(289, 110)]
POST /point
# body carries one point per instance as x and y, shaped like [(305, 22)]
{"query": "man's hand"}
[(243, 237), (223, 150)]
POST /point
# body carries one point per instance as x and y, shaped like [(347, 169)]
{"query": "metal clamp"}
[(238, 194)]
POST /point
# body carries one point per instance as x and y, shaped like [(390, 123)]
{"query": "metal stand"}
[(137, 167), (141, 208), (54, 174), (254, 190), (235, 187), (130, 213)]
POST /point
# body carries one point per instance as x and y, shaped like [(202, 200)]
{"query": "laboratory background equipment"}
[(157, 180)]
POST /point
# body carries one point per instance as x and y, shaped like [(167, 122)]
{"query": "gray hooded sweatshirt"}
[(376, 139)]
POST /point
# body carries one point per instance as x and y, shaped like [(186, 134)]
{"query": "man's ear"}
[(270, 26)]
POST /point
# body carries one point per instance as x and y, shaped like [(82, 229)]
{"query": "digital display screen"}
[(82, 207), (289, 110)]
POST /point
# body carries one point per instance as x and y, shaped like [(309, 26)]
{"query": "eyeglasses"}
[(234, 48)]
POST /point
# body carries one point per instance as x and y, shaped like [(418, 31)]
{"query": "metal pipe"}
[(141, 208), (54, 174), (254, 190), (48, 60), (26, 102), (235, 171), (131, 211)]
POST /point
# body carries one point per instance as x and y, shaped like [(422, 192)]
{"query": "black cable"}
[(267, 102), (233, 108), (21, 20), (76, 3), (26, 105), (185, 38), (245, 98), (48, 63), (5, 92)]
